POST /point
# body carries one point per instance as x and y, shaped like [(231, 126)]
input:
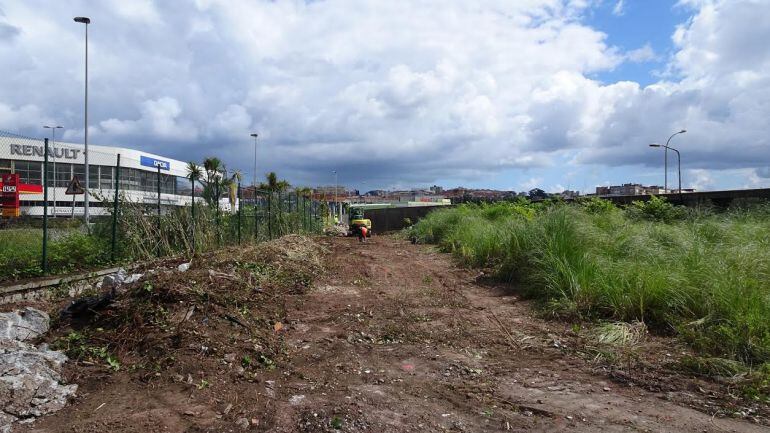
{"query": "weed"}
[(699, 274)]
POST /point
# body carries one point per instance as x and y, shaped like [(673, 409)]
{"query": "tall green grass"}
[(702, 275)]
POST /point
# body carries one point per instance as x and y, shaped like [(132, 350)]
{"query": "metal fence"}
[(135, 213)]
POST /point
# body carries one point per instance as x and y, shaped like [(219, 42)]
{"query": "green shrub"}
[(656, 209), (702, 275)]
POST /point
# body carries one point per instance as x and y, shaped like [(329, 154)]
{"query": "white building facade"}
[(138, 176)]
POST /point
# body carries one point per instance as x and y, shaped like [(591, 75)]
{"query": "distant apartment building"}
[(435, 189), (569, 194), (629, 189)]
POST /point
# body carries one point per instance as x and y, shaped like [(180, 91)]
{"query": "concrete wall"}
[(716, 198), (390, 219)]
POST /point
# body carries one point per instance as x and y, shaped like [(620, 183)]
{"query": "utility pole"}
[(86, 21), (52, 182)]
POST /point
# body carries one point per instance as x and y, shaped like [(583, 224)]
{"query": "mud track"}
[(396, 338)]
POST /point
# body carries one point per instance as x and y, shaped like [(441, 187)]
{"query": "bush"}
[(656, 209), (701, 275)]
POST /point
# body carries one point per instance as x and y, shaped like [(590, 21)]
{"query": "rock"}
[(183, 267), (24, 324), (132, 278), (30, 381), (229, 357), (113, 281), (242, 423), (296, 399)]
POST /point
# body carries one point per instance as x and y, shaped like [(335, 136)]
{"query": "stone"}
[(183, 267), (24, 324), (296, 399), (113, 281), (242, 423), (132, 278), (30, 377)]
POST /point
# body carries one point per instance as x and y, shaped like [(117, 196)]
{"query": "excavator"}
[(358, 225)]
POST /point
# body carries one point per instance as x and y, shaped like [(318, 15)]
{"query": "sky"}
[(555, 94)]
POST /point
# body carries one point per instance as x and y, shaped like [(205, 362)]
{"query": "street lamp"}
[(665, 159), (678, 161), (335, 191), (53, 153), (86, 21), (255, 135)]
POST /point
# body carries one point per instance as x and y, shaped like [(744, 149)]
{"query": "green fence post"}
[(280, 214), (256, 217), (238, 196), (45, 209), (192, 182), (297, 219), (159, 229), (270, 213), (216, 215), (115, 211)]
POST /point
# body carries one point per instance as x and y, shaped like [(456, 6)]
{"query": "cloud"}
[(620, 8), (161, 118), (8, 32), (641, 55), (391, 92)]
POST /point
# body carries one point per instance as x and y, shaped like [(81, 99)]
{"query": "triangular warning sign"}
[(74, 187)]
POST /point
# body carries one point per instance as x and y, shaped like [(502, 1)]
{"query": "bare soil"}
[(388, 337)]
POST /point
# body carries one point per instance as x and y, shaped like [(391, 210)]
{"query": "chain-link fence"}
[(135, 212)]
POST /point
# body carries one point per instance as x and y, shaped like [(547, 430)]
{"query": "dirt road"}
[(395, 338)]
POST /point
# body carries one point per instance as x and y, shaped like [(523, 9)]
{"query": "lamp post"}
[(86, 21), (678, 161), (665, 159), (255, 135), (335, 192), (53, 152)]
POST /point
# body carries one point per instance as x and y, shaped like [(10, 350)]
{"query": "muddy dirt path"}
[(399, 339), (395, 338)]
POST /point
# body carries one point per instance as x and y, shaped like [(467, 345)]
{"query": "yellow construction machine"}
[(358, 225)]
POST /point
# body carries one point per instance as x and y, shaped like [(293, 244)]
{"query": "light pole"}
[(86, 21), (255, 135), (335, 192), (53, 152), (678, 161), (665, 159)]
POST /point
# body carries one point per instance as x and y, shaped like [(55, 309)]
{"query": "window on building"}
[(148, 181), (167, 185), (30, 172), (105, 177), (129, 179), (63, 174), (93, 176), (79, 171), (5, 166), (183, 185)]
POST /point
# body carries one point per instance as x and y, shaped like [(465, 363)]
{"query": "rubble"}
[(29, 376)]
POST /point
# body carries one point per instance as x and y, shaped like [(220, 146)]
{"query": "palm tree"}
[(273, 184), (194, 173), (216, 173)]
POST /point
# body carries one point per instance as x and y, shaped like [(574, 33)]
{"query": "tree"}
[(194, 173), (272, 183), (216, 181)]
